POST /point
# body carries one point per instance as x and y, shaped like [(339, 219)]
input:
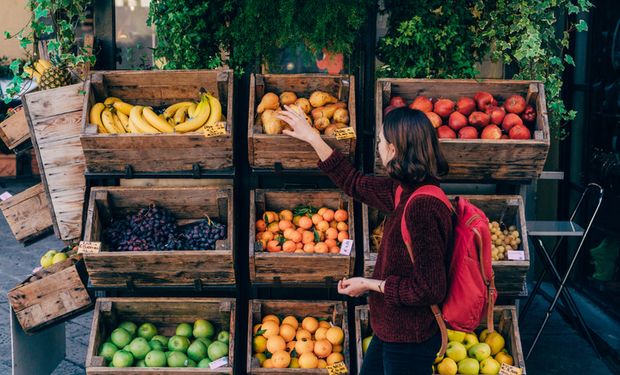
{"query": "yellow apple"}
[(456, 336), (496, 342), (479, 351), (470, 340), (447, 367), (489, 367), (469, 366), (456, 351)]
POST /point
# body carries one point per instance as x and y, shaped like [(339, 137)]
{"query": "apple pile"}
[(503, 239), (471, 354), (473, 118)]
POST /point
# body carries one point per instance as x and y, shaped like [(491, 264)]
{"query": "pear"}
[(320, 98), (304, 104), (269, 101), (341, 115), (288, 97)]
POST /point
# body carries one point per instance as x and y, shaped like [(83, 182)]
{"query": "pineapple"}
[(54, 77)]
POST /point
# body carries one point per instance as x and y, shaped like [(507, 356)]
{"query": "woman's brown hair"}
[(418, 156)]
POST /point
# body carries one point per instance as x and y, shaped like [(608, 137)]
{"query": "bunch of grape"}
[(202, 235), (151, 228), (503, 239)]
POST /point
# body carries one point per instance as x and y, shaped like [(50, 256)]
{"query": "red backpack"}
[(471, 283)]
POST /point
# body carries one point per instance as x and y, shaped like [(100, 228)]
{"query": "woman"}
[(406, 335)]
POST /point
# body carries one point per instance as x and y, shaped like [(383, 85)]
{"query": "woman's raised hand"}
[(297, 121)]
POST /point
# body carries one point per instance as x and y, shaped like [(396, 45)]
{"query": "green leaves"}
[(581, 26), (569, 60)]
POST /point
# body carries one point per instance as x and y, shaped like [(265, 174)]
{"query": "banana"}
[(180, 115), (156, 121), (123, 107), (132, 127), (118, 125), (95, 117), (170, 111), (45, 63), (191, 109), (216, 110), (201, 116), (124, 120), (42, 65), (33, 73), (108, 121), (111, 100), (141, 125)]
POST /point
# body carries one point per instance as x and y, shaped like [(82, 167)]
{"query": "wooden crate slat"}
[(27, 213), (14, 130)]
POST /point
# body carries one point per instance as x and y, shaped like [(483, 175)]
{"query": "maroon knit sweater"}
[(402, 313)]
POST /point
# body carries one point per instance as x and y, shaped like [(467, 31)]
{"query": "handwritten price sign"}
[(337, 369), (344, 133), (217, 129)]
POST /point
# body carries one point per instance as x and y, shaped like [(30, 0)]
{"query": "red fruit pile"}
[(473, 118)]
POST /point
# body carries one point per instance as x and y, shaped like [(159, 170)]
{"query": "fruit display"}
[(114, 116), (156, 228), (307, 343), (324, 112), (47, 75), (133, 345), (305, 229), (503, 239), (480, 117)]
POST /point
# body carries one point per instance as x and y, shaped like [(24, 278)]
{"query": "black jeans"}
[(400, 359)]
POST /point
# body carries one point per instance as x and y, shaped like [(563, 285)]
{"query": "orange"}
[(286, 215), (287, 332), (334, 358), (337, 348), (271, 328), (256, 328), (273, 227), (287, 233), (316, 218), (331, 243), (342, 226), (309, 248), (334, 250), (267, 236), (290, 346), (322, 210), (300, 230), (281, 359), (328, 215), (299, 251), (270, 217), (303, 334), (300, 246), (335, 335), (321, 333), (322, 226), (305, 222), (324, 324), (341, 215), (275, 344), (333, 224), (271, 317), (322, 348), (343, 236), (285, 224), (322, 364), (331, 233), (303, 346), (291, 321), (310, 324), (261, 226), (296, 220), (268, 363), (307, 237), (289, 246), (296, 237), (273, 246), (308, 360), (259, 344), (321, 248)]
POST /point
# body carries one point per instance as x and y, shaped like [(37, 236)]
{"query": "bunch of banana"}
[(37, 69)]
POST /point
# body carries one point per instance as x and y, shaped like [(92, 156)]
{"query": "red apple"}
[(397, 101), (515, 104), (457, 121), (388, 109), (434, 118), (483, 100), (511, 120), (491, 132), (529, 115), (465, 105), (497, 114), (422, 103), (445, 132), (444, 107), (468, 132), (519, 132), (479, 119)]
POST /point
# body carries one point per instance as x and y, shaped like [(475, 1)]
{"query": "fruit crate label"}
[(346, 247), (516, 255), (337, 368), (509, 370), (6, 195), (219, 363), (219, 128), (344, 133), (87, 247)]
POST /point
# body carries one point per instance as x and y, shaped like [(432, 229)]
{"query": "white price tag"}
[(516, 255), (346, 247), (6, 195), (219, 363), (87, 247), (344, 133)]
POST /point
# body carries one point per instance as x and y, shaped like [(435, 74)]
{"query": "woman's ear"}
[(391, 151)]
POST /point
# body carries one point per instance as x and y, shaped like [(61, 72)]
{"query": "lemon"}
[(59, 257), (46, 261), (50, 253)]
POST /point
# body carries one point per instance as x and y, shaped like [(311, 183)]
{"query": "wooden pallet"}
[(477, 159), (161, 268), (54, 118), (157, 153), (165, 314), (27, 213), (14, 130), (504, 318), (51, 295), (333, 311), (266, 267), (510, 275), (267, 151)]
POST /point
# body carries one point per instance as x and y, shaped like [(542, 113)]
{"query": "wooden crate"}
[(471, 159), (510, 275), (333, 311), (165, 314), (504, 318), (161, 268), (267, 151), (51, 295), (27, 213), (266, 267), (168, 152), (14, 130), (54, 118), (8, 165)]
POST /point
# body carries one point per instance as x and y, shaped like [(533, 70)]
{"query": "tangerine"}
[(342, 226), (308, 360), (303, 334), (316, 218), (267, 363), (322, 348), (331, 233), (296, 237), (287, 332), (322, 210), (275, 344), (291, 321), (305, 222), (270, 217), (341, 215), (273, 227), (285, 224), (321, 248), (335, 335), (281, 359), (307, 237), (310, 324), (286, 215), (343, 236), (261, 226), (273, 246), (328, 215), (287, 233), (309, 248), (304, 346), (271, 317), (334, 358), (334, 250), (321, 333), (271, 328), (324, 324), (322, 364), (289, 246), (322, 226)]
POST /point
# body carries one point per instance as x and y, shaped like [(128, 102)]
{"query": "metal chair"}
[(561, 229)]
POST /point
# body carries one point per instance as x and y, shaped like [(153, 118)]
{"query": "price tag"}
[(337, 368), (509, 370), (344, 133), (87, 247), (516, 255), (219, 363), (219, 128), (346, 247), (6, 195)]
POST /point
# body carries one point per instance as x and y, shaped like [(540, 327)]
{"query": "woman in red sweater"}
[(406, 335)]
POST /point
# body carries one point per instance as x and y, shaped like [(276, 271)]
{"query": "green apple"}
[(456, 351), (120, 337), (224, 337), (178, 344), (157, 345), (217, 350), (140, 363), (155, 358), (130, 327), (191, 363), (107, 351), (184, 329), (205, 341), (147, 331), (177, 359), (470, 340), (197, 351), (139, 347), (204, 363), (469, 366), (366, 343), (456, 336), (203, 329), (447, 367), (122, 359), (160, 338), (489, 367), (480, 351)]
